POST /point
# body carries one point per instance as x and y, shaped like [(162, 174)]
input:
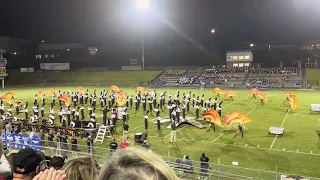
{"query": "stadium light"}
[(213, 31), (251, 45), (142, 4), (42, 41)]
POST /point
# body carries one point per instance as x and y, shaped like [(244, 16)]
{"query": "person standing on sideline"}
[(113, 146), (124, 144), (146, 120), (125, 130), (204, 165), (173, 132)]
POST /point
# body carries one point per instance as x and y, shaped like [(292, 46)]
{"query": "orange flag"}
[(66, 99), (213, 115)]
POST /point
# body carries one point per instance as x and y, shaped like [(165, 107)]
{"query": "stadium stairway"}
[(158, 76), (246, 78)]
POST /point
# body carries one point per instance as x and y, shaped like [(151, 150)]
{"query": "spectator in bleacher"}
[(83, 168), (26, 164), (135, 163)]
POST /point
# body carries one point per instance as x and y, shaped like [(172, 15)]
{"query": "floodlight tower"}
[(143, 5)]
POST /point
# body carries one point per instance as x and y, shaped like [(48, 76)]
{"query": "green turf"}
[(291, 153)]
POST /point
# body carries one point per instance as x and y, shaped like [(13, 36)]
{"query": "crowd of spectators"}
[(92, 69), (284, 70), (188, 80), (264, 81), (174, 72)]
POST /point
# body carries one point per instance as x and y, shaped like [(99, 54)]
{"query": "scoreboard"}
[(239, 56), (3, 69)]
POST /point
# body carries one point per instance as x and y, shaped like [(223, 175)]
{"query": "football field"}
[(296, 152)]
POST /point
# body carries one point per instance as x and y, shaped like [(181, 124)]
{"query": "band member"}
[(204, 109), (32, 120), (9, 111), (51, 119), (289, 106), (127, 101), (197, 111), (170, 110), (77, 114), (44, 100), (230, 98), (26, 113), (73, 111), (158, 122), (82, 112), (60, 115), (161, 101), (104, 115), (42, 111), (150, 104), (54, 100), (286, 100), (72, 124), (157, 111), (183, 111), (101, 102), (146, 120), (254, 96), (109, 102), (35, 99), (154, 101), (74, 101), (174, 113), (215, 103), (178, 113), (86, 95), (1, 109), (51, 111), (36, 110), (17, 108), (219, 109), (208, 102), (193, 100), (81, 99), (240, 131), (188, 105), (136, 103), (124, 115), (93, 115), (68, 115), (261, 102), (213, 126), (131, 101), (169, 99), (63, 120), (144, 105), (202, 100), (90, 99)]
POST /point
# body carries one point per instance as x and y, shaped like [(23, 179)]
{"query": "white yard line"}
[(232, 126), (177, 131), (234, 101), (275, 138), (250, 147), (136, 127)]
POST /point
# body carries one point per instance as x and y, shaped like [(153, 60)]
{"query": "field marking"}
[(232, 126), (176, 131), (251, 147), (275, 138), (235, 101), (136, 127)]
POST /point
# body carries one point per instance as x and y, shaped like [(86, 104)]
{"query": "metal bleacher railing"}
[(184, 171)]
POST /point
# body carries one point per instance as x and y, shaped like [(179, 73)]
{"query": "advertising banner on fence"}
[(131, 68), (55, 66)]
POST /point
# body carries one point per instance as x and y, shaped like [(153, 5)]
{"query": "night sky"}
[(167, 22)]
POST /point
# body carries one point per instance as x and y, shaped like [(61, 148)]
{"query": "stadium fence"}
[(216, 171)]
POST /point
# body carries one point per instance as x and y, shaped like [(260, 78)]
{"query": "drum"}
[(137, 137)]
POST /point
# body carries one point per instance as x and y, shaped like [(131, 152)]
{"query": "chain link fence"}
[(184, 169)]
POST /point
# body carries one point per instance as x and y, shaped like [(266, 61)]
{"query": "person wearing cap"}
[(204, 165), (26, 164)]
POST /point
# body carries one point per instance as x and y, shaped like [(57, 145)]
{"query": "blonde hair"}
[(82, 168), (136, 164)]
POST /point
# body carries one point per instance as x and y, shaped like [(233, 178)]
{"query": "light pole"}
[(143, 5)]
